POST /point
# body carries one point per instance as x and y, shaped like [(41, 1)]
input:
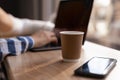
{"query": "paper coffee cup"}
[(71, 45)]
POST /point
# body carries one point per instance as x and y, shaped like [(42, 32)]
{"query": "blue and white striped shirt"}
[(15, 46)]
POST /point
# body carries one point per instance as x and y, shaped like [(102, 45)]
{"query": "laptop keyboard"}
[(50, 46)]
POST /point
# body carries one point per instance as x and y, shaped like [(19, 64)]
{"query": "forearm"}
[(15, 46), (13, 26), (5, 22), (27, 27)]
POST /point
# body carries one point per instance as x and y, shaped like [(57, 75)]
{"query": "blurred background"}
[(33, 9), (104, 24)]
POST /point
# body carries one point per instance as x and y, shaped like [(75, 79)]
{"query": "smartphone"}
[(96, 67)]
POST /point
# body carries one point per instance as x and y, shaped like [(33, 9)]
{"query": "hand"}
[(42, 38)]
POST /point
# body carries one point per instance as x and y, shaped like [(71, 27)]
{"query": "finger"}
[(54, 39), (52, 35)]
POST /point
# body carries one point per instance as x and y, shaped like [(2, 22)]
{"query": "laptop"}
[(72, 15)]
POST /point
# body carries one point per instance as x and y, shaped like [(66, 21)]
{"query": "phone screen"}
[(96, 67)]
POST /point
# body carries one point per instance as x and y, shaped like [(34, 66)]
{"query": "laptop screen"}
[(72, 15)]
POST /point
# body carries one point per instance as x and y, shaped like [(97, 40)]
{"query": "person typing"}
[(19, 35)]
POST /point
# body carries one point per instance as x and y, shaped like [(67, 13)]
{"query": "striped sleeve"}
[(26, 43), (15, 46)]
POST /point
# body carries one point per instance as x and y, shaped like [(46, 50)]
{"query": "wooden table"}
[(48, 65)]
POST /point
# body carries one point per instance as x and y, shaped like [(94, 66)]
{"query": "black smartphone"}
[(96, 67)]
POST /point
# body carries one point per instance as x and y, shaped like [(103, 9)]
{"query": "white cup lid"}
[(72, 32)]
